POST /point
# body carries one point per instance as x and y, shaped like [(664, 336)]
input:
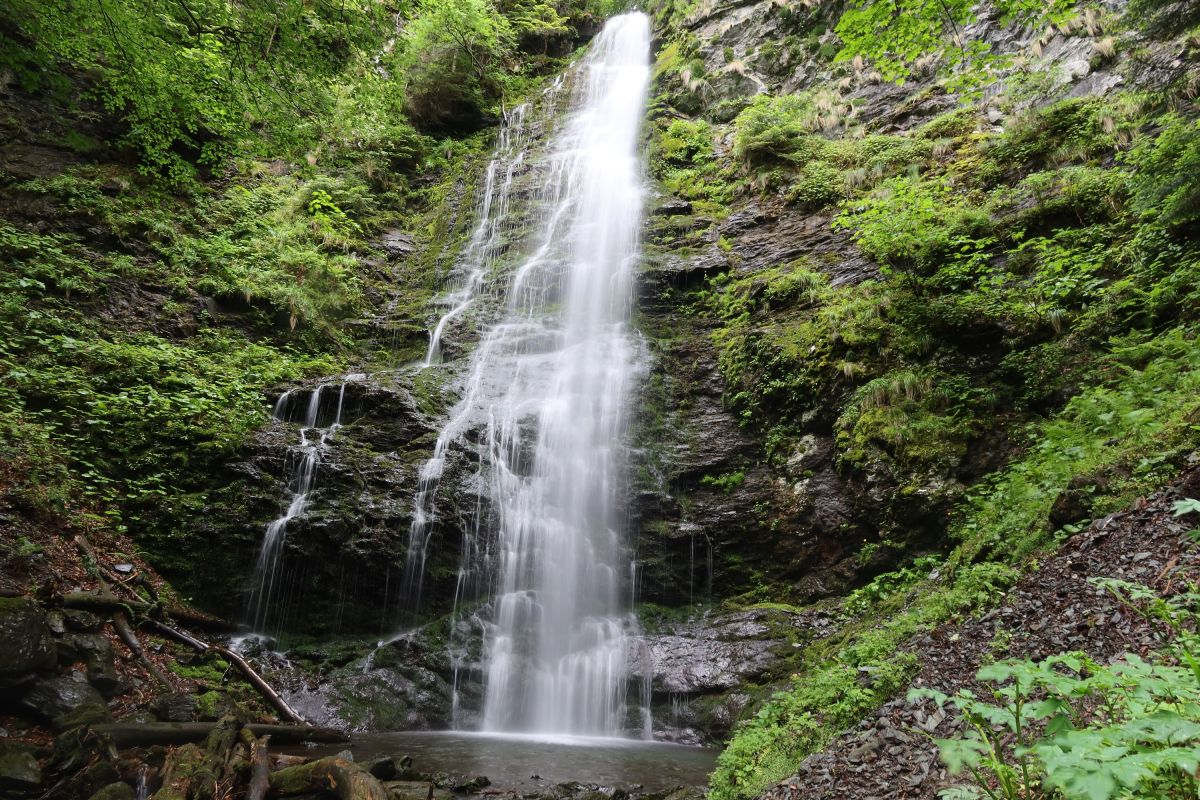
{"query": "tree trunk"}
[(260, 766), (145, 734)]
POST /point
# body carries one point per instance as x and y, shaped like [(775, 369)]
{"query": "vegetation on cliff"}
[(195, 198), (1035, 305)]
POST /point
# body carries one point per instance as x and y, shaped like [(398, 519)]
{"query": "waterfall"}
[(545, 396), (303, 459)]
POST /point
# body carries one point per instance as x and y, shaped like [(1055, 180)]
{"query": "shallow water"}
[(528, 762)]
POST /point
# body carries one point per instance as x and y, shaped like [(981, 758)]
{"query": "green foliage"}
[(911, 226), (895, 34), (889, 584), (191, 80), (1068, 726), (683, 157), (1138, 418), (453, 57), (1076, 129), (837, 681), (780, 127), (727, 483), (1166, 167), (1135, 425)]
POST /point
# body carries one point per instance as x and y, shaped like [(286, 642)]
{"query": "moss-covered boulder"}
[(115, 791), (20, 775)]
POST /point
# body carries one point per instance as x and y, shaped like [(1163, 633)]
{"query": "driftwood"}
[(270, 695), (344, 778), (260, 765), (145, 734), (124, 630)]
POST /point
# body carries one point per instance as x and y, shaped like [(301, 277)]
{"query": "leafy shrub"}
[(909, 225), (1069, 726), (778, 127), (819, 184)]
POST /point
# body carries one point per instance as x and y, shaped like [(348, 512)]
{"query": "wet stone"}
[(65, 702)]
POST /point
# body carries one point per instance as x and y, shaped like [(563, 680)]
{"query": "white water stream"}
[(546, 399), (264, 607)]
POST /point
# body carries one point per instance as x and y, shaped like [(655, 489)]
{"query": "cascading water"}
[(263, 607), (547, 392)]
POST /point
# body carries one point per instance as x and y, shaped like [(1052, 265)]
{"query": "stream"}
[(527, 763)]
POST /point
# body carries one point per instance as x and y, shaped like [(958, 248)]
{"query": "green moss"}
[(208, 672)]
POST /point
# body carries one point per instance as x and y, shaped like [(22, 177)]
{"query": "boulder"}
[(65, 702), (20, 775), (28, 649), (96, 652)]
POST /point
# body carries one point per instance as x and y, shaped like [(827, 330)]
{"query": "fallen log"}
[(93, 601), (270, 695), (344, 778), (214, 773), (146, 734), (181, 767), (120, 623)]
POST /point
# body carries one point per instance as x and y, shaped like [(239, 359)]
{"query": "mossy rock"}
[(20, 775), (115, 791)]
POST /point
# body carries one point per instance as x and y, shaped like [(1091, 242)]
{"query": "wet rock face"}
[(27, 647), (342, 568), (704, 671), (402, 684), (706, 656)]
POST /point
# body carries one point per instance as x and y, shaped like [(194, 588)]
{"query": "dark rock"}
[(28, 649), (672, 207), (398, 244), (98, 777), (82, 621), (384, 768), (65, 702), (20, 775), (402, 684), (96, 651), (476, 784), (1074, 503)]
